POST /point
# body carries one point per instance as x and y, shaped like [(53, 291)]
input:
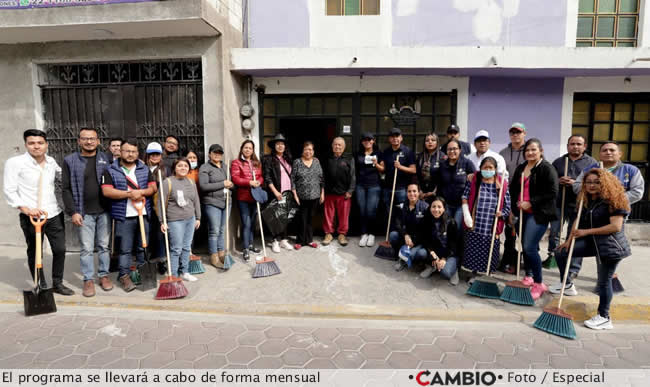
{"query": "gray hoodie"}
[(211, 180)]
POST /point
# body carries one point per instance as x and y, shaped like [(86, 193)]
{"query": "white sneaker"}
[(569, 290), (599, 322), (286, 245), (371, 240), (428, 272), (275, 247), (188, 277), (363, 240)]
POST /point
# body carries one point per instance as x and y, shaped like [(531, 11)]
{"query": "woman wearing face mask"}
[(452, 178), (183, 211), (277, 176), (408, 227), (540, 193), (368, 166), (441, 242), (479, 208), (241, 171), (600, 234), (427, 165), (194, 166)]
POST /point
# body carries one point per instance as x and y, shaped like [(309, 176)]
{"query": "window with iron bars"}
[(352, 7), (608, 23)]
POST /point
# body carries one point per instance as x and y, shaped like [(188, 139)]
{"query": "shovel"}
[(38, 300), (148, 277)]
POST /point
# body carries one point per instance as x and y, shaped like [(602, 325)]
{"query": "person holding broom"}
[(126, 181), (397, 158), (213, 179), (480, 200), (600, 234), (540, 193), (30, 186), (183, 210), (246, 173)]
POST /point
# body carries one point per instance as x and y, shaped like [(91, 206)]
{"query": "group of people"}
[(445, 202)]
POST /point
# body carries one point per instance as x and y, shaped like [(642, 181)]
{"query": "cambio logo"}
[(466, 378)]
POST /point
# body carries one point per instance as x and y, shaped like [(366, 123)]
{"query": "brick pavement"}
[(78, 337)]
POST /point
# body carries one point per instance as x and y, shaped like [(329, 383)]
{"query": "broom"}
[(170, 287), (486, 287), (38, 300), (196, 266), (516, 292), (228, 261), (265, 267), (385, 249), (554, 320), (550, 263)]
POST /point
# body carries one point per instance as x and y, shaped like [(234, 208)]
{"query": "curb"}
[(623, 309)]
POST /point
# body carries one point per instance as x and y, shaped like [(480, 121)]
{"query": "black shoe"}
[(246, 256), (254, 249), (62, 289)]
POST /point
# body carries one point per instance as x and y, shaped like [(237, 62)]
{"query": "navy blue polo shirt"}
[(406, 158)]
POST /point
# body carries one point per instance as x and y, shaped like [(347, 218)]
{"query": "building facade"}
[(323, 68)]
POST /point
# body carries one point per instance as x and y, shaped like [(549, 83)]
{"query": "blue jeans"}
[(606, 270), (533, 233), (128, 231), (247, 212), (367, 199), (584, 247), (95, 232), (217, 226), (450, 267), (400, 197), (181, 233), (457, 213), (156, 243), (418, 252), (554, 237)]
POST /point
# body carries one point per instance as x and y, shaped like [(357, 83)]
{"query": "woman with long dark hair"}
[(408, 227), (538, 208), (427, 164), (368, 190), (276, 167), (441, 241), (246, 173), (600, 234)]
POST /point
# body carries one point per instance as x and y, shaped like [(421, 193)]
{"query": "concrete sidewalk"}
[(341, 282)]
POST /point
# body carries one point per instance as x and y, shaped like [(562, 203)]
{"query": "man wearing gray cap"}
[(482, 144)]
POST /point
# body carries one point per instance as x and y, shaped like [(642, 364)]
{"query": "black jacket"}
[(543, 190), (444, 244), (409, 222), (339, 175), (608, 247), (271, 170)]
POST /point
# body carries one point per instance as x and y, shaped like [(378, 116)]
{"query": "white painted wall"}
[(349, 31), (644, 25), (571, 22), (595, 85), (387, 84)]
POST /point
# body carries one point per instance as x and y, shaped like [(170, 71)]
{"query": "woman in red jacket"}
[(242, 171)]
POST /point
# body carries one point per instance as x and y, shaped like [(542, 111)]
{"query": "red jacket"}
[(242, 173)]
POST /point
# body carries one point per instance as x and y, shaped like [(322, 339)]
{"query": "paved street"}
[(78, 337)]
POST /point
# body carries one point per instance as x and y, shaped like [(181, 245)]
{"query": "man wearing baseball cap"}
[(453, 133), (400, 158), (482, 144), (513, 154)]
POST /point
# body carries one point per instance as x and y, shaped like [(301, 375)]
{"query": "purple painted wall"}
[(495, 103), (439, 23), (278, 23)]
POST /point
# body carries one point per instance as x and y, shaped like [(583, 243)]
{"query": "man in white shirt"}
[(482, 144), (29, 186)]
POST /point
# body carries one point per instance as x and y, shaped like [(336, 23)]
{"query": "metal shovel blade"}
[(39, 301)]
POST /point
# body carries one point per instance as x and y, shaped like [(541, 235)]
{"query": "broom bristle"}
[(385, 252), (135, 276), (484, 289), (228, 261), (517, 295), (556, 322), (170, 288), (617, 286), (196, 267), (266, 268)]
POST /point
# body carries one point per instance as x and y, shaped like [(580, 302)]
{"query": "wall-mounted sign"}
[(25, 4), (347, 129)]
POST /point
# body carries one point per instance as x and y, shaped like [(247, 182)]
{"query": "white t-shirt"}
[(130, 209)]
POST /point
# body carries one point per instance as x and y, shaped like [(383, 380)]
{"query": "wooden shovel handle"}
[(38, 227), (139, 206)]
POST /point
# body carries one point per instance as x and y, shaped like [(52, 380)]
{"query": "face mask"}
[(487, 174), (193, 164)]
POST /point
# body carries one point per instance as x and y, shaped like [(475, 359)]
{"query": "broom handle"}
[(227, 210), (259, 216), (566, 172), (113, 237), (392, 197), (39, 258), (521, 222), (38, 262), (164, 214), (496, 222), (568, 261)]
